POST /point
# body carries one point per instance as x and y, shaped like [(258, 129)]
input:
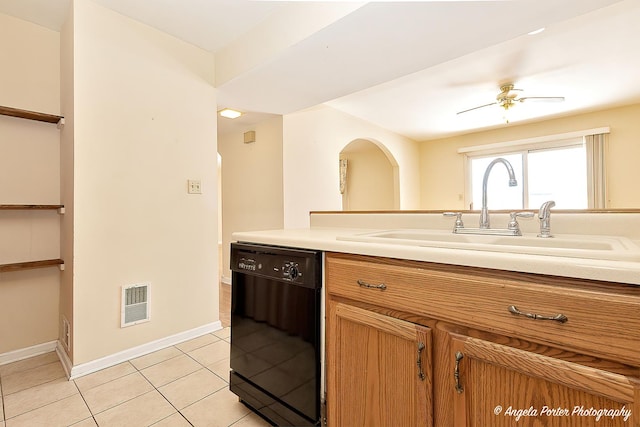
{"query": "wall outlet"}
[(194, 186)]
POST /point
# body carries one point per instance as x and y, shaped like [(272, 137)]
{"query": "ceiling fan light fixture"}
[(507, 103), (508, 97)]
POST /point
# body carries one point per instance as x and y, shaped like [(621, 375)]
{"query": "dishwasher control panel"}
[(297, 266)]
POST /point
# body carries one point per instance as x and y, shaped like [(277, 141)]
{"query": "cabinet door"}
[(378, 370), (496, 385)]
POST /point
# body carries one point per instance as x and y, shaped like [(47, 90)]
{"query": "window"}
[(556, 168), (558, 174)]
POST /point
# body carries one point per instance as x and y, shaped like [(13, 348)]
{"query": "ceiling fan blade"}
[(476, 108), (542, 98)]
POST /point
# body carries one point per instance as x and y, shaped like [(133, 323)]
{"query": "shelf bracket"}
[(60, 124), (61, 210), (61, 266)]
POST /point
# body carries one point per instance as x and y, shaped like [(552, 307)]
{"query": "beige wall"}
[(29, 171), (144, 123), (312, 143), (66, 177), (251, 182), (370, 178), (442, 168)]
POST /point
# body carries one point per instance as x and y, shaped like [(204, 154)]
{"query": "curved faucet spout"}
[(544, 214), (484, 213)]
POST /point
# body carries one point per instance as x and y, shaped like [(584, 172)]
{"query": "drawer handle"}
[(419, 361), (364, 284), (456, 372), (557, 317)]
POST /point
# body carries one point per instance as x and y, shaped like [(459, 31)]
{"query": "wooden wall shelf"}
[(30, 207), (31, 115), (31, 265)]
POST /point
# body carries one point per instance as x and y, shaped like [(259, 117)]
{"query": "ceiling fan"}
[(508, 97)]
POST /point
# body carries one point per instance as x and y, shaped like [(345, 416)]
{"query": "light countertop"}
[(324, 232)]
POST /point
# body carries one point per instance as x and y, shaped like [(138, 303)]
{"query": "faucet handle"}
[(458, 224), (513, 222)]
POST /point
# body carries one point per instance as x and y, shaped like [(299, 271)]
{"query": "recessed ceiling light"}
[(229, 113), (538, 31)]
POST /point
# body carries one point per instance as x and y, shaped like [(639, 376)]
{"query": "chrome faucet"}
[(545, 218), (484, 213)]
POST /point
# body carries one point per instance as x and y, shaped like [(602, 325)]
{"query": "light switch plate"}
[(194, 186)]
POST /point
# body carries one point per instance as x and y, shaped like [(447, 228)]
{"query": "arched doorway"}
[(368, 177)]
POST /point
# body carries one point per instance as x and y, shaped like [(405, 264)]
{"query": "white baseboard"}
[(25, 353), (64, 359), (114, 359)]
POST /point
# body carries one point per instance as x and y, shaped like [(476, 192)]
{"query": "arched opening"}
[(368, 177)]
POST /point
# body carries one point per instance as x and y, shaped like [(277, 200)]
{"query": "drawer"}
[(601, 319)]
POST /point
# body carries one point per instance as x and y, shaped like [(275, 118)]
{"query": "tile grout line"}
[(124, 401), (33, 386), (4, 414), (203, 367), (246, 416), (106, 382), (157, 363), (85, 403), (37, 407), (199, 364), (139, 371), (226, 381), (174, 407), (27, 389), (206, 367), (178, 411), (29, 370), (176, 347), (22, 371)]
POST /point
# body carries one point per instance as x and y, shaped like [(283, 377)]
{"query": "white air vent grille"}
[(135, 304)]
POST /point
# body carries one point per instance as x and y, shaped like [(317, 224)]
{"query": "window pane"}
[(499, 194), (559, 175)]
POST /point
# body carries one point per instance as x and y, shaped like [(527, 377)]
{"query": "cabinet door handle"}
[(557, 317), (456, 372), (364, 284), (419, 361)]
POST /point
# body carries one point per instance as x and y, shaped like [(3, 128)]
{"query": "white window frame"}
[(521, 146)]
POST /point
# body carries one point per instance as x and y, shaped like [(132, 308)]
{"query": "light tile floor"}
[(182, 385)]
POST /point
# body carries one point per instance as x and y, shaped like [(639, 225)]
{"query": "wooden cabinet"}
[(505, 348), (498, 385), (380, 369)]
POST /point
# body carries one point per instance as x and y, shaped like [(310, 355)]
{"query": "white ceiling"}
[(410, 66)]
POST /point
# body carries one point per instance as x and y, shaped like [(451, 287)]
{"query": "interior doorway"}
[(368, 177), (224, 288)]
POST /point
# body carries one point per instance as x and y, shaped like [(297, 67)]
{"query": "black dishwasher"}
[(275, 332)]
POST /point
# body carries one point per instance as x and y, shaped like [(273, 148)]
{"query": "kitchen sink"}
[(568, 245)]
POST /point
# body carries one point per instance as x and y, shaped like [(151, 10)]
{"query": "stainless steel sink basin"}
[(568, 245)]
